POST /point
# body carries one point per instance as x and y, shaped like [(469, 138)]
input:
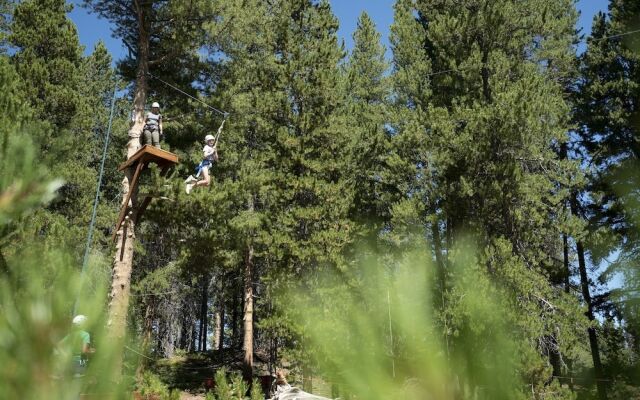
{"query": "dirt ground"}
[(189, 396)]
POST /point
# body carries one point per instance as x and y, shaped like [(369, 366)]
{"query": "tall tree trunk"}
[(125, 237), (247, 364), (120, 289), (567, 289), (202, 345), (565, 260), (440, 265), (183, 333), (593, 339), (141, 89), (234, 320), (194, 344), (223, 316), (437, 249), (217, 328), (218, 337)]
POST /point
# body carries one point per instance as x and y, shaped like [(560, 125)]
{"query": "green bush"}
[(233, 387), (151, 384)]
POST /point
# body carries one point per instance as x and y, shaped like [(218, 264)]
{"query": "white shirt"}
[(153, 119), (210, 152)]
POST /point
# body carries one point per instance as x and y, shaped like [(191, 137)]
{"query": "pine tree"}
[(280, 169), (471, 81), (48, 57), (16, 176), (607, 137), (249, 76), (281, 84), (367, 93), (5, 15), (70, 104), (314, 196)]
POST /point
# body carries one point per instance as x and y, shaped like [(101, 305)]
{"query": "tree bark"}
[(593, 339), (437, 249), (223, 315), (567, 269), (567, 289), (247, 365), (141, 89), (194, 345), (183, 333), (234, 320), (120, 289), (202, 345), (125, 237), (219, 321), (217, 328)]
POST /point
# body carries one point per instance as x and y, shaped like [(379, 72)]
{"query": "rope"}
[(219, 131), (223, 113), (138, 353), (612, 36), (85, 259), (154, 294)]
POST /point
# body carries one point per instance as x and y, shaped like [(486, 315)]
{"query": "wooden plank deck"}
[(147, 154)]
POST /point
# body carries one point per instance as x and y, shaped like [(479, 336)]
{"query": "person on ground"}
[(153, 126), (282, 390), (210, 153), (78, 344), (280, 385)]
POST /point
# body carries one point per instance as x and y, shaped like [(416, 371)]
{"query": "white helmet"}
[(209, 137), (155, 104), (79, 320)]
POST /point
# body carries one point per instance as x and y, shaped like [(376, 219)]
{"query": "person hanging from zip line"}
[(210, 155), (153, 126)]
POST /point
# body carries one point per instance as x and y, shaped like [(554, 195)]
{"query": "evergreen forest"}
[(453, 216)]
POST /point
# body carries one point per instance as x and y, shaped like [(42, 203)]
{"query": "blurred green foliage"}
[(377, 333)]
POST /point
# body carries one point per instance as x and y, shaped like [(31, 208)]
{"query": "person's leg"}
[(205, 177), (147, 137), (156, 138)]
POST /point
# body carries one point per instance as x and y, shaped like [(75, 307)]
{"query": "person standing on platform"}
[(153, 126)]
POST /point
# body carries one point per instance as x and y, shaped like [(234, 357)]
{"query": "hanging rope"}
[(215, 142), (223, 113), (85, 259)]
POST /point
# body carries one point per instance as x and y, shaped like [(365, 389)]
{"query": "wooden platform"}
[(140, 160), (149, 154)]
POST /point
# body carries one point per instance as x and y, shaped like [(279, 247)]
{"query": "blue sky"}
[(91, 28)]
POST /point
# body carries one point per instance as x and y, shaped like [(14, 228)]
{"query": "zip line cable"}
[(612, 36), (223, 113), (446, 71), (85, 259)]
